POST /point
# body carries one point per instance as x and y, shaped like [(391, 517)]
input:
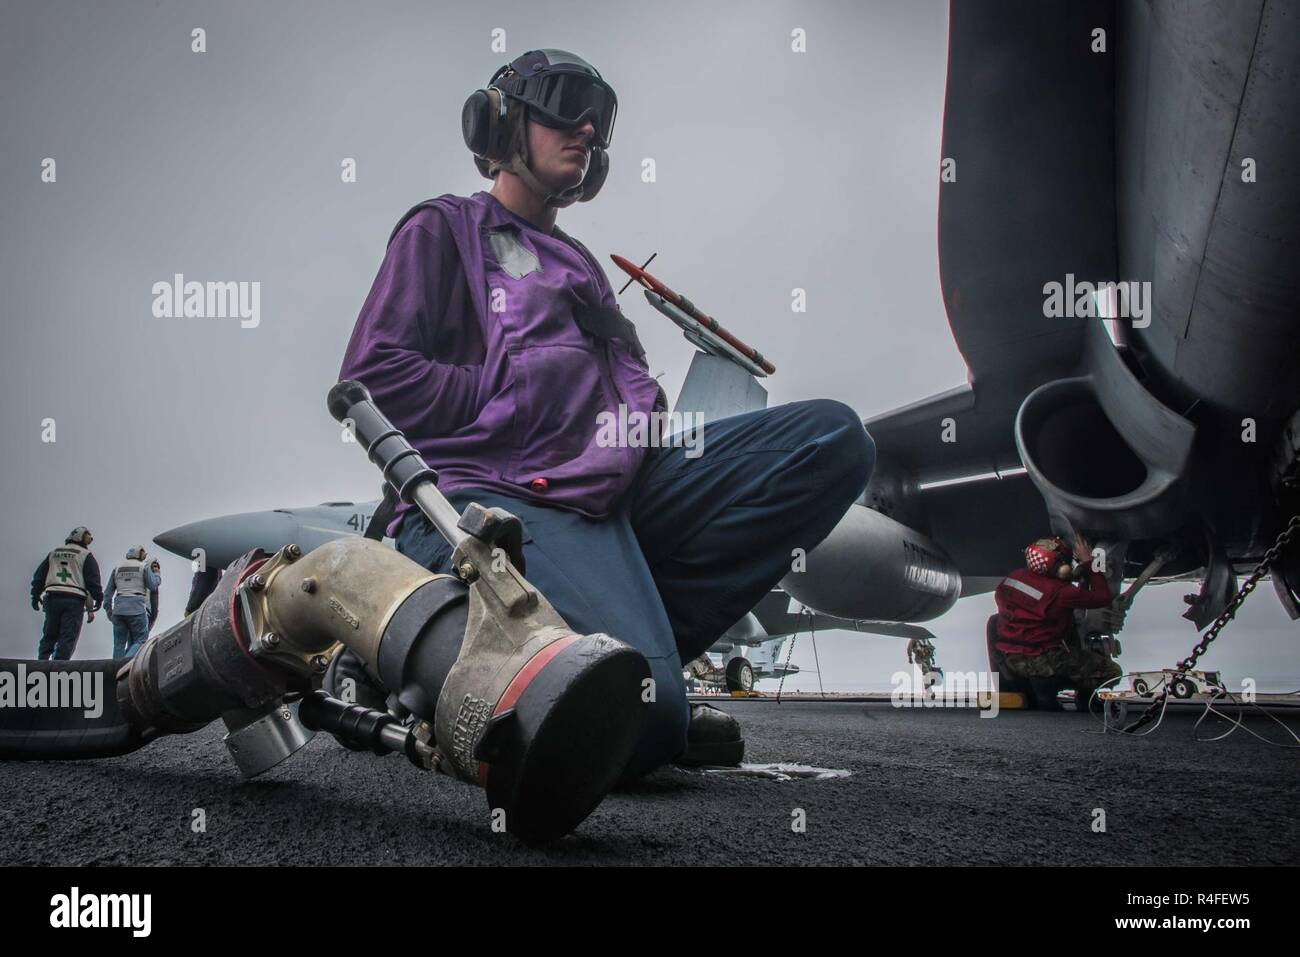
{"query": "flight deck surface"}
[(927, 786)]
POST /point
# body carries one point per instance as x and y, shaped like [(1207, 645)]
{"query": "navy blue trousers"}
[(129, 634), (63, 615), (691, 546)]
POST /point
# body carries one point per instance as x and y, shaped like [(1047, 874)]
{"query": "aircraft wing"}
[(971, 495), (777, 620)]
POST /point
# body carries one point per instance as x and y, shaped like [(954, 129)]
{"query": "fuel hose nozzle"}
[(543, 718), (495, 688)]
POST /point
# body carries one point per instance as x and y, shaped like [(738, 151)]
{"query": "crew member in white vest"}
[(68, 580), (131, 599)]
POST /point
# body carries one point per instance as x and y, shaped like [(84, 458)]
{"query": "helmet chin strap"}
[(520, 168), (517, 161)]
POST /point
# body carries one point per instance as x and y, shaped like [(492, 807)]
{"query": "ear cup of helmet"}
[(483, 127), (476, 121)]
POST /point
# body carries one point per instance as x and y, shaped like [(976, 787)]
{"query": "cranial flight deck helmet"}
[(1050, 556), (555, 88), (78, 535)]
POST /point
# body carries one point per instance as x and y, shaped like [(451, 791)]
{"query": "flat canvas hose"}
[(93, 726)]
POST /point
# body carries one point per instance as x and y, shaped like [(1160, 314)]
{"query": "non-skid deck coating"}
[(928, 786)]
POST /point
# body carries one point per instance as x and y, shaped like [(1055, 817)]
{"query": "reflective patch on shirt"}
[(512, 255), (1020, 586)]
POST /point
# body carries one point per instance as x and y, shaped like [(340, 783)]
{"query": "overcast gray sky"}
[(775, 170)]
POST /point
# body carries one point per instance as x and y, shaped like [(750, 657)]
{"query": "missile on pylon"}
[(700, 329)]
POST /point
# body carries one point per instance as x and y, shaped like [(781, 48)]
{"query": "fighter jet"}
[(747, 652), (1119, 275), (1117, 234)]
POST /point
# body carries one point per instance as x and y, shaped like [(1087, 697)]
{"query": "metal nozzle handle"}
[(403, 467)]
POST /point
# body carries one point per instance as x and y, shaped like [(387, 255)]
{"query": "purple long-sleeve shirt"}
[(470, 343)]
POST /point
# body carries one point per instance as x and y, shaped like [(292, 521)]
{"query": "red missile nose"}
[(624, 265), (639, 274)]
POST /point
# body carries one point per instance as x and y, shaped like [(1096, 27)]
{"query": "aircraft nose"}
[(173, 540), (225, 539)]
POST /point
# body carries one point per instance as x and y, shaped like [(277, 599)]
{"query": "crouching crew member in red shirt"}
[(1036, 635)]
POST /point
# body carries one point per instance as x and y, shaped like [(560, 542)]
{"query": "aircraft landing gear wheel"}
[(1140, 686), (1181, 688), (740, 675)]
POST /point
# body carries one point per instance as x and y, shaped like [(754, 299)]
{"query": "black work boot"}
[(1044, 692), (346, 679), (712, 738)]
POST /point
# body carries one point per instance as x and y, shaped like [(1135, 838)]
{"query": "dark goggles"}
[(564, 100)]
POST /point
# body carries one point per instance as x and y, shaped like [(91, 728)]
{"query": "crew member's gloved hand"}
[(36, 604)]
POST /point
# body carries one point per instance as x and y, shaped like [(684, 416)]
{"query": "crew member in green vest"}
[(68, 580)]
